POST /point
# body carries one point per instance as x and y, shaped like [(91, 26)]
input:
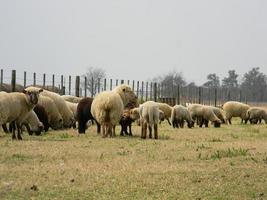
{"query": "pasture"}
[(200, 163)]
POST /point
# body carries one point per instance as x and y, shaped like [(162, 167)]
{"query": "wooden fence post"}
[(98, 85), (155, 92), (53, 82), (146, 91), (62, 85), (1, 79), (178, 95), (240, 95), (105, 84), (69, 85), (77, 86), (122, 81), (117, 82), (44, 80), (215, 97), (133, 86), (85, 86), (137, 89), (151, 91), (34, 79), (199, 95), (110, 86), (142, 91), (92, 87), (13, 81), (24, 79)]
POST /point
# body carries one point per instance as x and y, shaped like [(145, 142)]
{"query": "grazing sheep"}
[(84, 114), (54, 117), (179, 115), (149, 114), (68, 118), (72, 99), (167, 111), (219, 113), (7, 88), (107, 107), (33, 124), (255, 114), (235, 109), (15, 106), (203, 114), (42, 116)]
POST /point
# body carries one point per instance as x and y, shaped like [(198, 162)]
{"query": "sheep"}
[(54, 117), (167, 111), (149, 114), (235, 109), (203, 114), (68, 118), (255, 114), (84, 114), (72, 99), (42, 116), (33, 124), (179, 115), (15, 107), (107, 107), (219, 113), (126, 120)]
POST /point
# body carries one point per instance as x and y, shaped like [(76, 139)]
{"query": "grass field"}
[(200, 163)]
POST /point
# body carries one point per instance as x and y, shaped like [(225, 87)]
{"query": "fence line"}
[(145, 91)]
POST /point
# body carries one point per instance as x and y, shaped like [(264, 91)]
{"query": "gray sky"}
[(134, 39)]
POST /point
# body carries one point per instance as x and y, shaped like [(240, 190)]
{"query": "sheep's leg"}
[(173, 124), (81, 127), (145, 130), (19, 128), (150, 131), (113, 131), (98, 128), (229, 121), (104, 131), (142, 130), (169, 121), (156, 131), (130, 129), (206, 122), (5, 128), (13, 128), (28, 129)]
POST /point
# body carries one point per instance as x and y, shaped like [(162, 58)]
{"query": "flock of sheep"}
[(39, 109)]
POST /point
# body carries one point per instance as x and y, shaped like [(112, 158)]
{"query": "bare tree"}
[(95, 76)]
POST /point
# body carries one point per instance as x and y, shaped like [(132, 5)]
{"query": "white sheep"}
[(149, 117), (55, 119), (235, 109), (68, 118), (14, 107), (255, 114), (167, 110), (179, 115), (107, 107), (203, 114), (72, 99), (33, 124)]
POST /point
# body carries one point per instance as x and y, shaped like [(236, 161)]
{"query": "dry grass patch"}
[(200, 163)]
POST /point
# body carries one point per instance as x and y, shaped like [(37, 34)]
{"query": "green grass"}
[(199, 163)]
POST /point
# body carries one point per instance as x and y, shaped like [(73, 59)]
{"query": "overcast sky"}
[(134, 39)]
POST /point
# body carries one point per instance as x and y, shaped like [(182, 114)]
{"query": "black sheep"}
[(84, 114), (42, 115)]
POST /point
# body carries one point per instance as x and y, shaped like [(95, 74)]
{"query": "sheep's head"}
[(32, 94), (134, 114), (126, 94)]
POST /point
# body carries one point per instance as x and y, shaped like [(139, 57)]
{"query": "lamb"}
[(68, 118), (167, 111), (179, 115), (235, 109), (54, 117), (84, 114), (15, 107), (107, 107), (72, 99), (204, 114), (255, 114), (149, 114), (42, 116)]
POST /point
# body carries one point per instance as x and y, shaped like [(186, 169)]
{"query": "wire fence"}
[(12, 80)]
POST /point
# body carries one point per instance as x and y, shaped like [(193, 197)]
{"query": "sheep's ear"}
[(24, 91), (123, 89), (41, 90)]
